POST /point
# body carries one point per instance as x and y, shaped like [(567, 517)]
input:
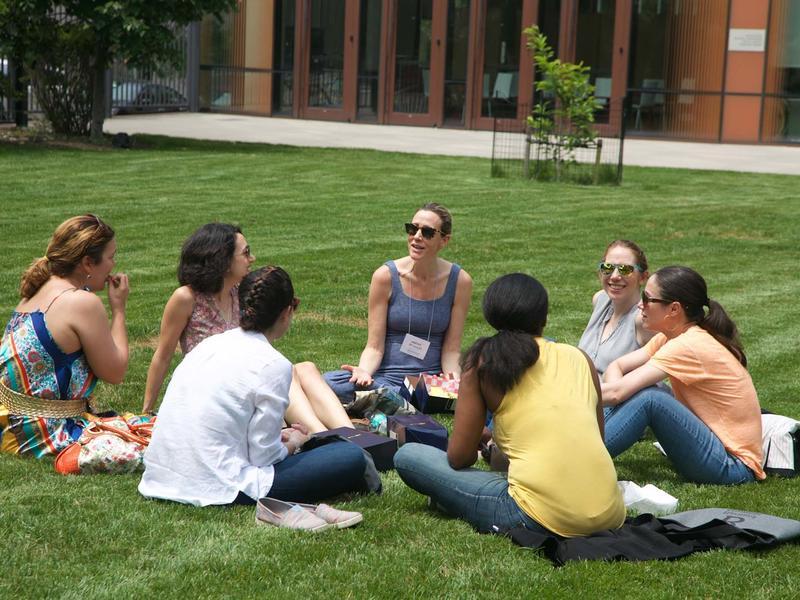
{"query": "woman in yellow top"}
[(711, 429), (546, 403)]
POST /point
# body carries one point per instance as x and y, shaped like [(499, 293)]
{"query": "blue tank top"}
[(429, 320)]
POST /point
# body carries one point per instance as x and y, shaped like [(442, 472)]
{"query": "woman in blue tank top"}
[(417, 308)]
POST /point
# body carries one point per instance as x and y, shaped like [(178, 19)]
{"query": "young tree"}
[(563, 118), (140, 32)]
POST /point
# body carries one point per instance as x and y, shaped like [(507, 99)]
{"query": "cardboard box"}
[(431, 393), (381, 448), (421, 429)]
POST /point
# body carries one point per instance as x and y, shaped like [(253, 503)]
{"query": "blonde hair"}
[(86, 235)]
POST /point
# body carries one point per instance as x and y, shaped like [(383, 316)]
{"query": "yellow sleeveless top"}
[(560, 472)]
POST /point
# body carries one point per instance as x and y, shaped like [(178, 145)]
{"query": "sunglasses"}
[(647, 299), (427, 232), (607, 268), (295, 303)]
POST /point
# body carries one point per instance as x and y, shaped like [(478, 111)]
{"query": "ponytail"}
[(34, 277), (516, 306), (722, 328), (502, 359), (85, 235), (687, 286)]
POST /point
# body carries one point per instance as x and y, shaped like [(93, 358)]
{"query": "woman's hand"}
[(294, 437), (118, 290), (360, 377)]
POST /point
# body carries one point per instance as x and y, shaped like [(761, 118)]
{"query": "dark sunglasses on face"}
[(427, 232), (607, 268), (647, 299), (295, 303)]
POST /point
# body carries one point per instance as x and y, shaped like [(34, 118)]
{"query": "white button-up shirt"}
[(218, 431)]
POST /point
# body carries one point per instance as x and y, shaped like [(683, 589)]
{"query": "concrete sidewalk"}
[(452, 142)]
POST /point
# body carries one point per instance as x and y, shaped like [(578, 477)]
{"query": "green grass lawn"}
[(330, 217)]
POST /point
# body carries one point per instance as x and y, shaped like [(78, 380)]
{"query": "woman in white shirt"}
[(218, 437)]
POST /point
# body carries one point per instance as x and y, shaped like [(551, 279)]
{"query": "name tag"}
[(414, 346)]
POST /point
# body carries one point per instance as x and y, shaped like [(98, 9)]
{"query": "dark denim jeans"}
[(695, 451), (339, 382), (315, 475), (478, 497)]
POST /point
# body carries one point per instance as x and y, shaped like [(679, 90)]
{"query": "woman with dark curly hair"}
[(219, 437), (213, 262), (214, 259)]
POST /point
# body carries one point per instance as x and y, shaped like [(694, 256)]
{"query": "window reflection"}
[(413, 56), (455, 84), (369, 52), (781, 110), (327, 53), (594, 47), (282, 70), (502, 33), (676, 67)]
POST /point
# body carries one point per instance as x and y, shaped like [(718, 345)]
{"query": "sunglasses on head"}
[(607, 268), (648, 299), (427, 232)]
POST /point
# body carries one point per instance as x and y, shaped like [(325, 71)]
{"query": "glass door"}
[(456, 59), (594, 47), (369, 59), (330, 54), (504, 75), (416, 62), (283, 58)]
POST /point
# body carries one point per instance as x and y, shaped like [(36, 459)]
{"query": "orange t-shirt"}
[(710, 382)]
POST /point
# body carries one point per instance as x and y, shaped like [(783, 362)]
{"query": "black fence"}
[(10, 91), (518, 150), (157, 88)]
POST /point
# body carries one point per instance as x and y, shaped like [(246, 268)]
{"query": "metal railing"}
[(518, 151)]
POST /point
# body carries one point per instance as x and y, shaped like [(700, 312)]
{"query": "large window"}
[(781, 107), (676, 68), (413, 56), (326, 70), (235, 61), (369, 56), (594, 41), (283, 61), (455, 84), (502, 33)]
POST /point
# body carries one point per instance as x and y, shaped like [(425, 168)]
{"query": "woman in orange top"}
[(711, 429)]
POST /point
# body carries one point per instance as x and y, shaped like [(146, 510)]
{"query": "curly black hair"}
[(263, 295), (206, 256)]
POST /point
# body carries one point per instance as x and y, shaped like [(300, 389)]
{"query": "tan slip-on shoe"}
[(270, 511), (338, 518)]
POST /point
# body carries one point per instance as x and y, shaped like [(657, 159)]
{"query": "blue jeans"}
[(324, 472), (478, 497), (339, 382), (694, 450)]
